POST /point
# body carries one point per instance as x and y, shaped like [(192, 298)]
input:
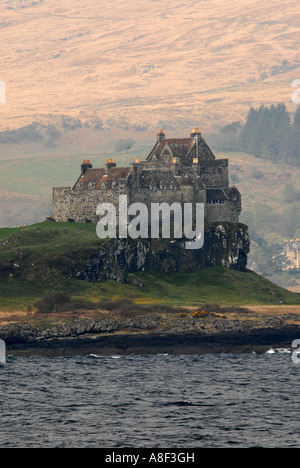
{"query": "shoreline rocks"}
[(147, 335)]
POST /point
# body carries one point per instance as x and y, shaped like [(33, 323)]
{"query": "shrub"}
[(61, 302), (52, 303)]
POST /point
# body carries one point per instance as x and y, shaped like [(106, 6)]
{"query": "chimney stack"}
[(195, 132), (86, 164), (111, 162), (160, 135)]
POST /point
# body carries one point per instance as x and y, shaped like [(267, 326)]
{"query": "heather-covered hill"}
[(132, 63)]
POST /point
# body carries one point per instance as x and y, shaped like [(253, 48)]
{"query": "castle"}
[(180, 170)]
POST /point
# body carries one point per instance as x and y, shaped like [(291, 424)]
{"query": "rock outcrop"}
[(225, 244)]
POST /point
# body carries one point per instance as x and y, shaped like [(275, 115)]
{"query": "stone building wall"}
[(81, 206), (215, 173), (226, 212)]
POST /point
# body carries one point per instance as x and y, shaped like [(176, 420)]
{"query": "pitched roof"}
[(114, 175), (179, 147), (93, 178)]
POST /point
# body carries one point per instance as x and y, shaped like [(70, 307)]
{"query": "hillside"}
[(36, 261), (136, 64)]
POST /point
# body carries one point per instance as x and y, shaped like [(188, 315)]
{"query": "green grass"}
[(35, 261), (212, 285), (5, 233), (216, 284)]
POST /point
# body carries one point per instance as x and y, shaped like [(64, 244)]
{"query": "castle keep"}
[(180, 170)]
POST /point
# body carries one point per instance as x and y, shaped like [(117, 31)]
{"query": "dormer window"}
[(91, 185)]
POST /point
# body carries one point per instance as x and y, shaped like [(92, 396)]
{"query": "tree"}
[(267, 132)]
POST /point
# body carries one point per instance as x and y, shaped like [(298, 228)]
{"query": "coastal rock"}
[(225, 244), (27, 333)]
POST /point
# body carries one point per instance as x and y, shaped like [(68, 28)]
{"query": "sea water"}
[(213, 400)]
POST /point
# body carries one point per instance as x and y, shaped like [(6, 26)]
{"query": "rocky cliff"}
[(225, 244)]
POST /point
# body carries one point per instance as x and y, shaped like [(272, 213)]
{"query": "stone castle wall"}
[(229, 211), (215, 173), (80, 206)]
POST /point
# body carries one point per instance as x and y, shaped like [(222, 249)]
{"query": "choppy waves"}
[(222, 400)]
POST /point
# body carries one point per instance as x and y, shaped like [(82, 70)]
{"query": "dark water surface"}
[(220, 400)]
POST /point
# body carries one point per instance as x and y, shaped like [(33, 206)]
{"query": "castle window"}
[(215, 201)]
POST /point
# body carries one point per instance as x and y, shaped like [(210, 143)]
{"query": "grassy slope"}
[(34, 260)]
